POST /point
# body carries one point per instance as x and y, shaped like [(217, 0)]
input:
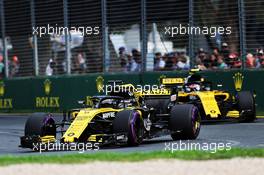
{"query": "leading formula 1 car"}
[(117, 118), (212, 104)]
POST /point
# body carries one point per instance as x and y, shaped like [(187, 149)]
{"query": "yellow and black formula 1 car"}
[(117, 118), (212, 104)]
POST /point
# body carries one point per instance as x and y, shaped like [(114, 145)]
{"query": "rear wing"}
[(157, 92), (172, 81)]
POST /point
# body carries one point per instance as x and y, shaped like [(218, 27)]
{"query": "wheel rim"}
[(48, 125)]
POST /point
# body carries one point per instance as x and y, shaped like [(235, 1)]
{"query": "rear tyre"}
[(184, 122), (40, 124), (246, 106), (131, 123)]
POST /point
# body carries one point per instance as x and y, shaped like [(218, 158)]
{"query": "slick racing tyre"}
[(40, 124), (131, 123), (246, 106), (184, 122)]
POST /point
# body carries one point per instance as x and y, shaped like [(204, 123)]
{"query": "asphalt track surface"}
[(246, 135)]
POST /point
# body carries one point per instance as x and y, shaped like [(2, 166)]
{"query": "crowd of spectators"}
[(218, 59), (130, 62), (13, 66), (255, 60), (171, 61), (225, 59), (78, 65)]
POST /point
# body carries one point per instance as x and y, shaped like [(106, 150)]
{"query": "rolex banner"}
[(61, 93)]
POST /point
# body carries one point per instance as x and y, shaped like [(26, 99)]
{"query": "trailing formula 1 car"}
[(212, 104), (120, 118)]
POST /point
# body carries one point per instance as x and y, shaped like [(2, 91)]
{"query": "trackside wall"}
[(63, 92)]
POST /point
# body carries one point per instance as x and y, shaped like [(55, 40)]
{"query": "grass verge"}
[(139, 156)]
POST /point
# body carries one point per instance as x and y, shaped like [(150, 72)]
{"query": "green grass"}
[(110, 156)]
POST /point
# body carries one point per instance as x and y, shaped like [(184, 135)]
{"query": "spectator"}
[(122, 51), (225, 53), (185, 59), (235, 62), (159, 63), (14, 66), (134, 52), (175, 62), (250, 61), (131, 64), (216, 52), (137, 58), (182, 63), (123, 63), (199, 55), (221, 63), (260, 59), (63, 67), (214, 61), (207, 61), (122, 58), (2, 67), (134, 62), (202, 57), (200, 65), (50, 68), (213, 58), (81, 63), (169, 61)]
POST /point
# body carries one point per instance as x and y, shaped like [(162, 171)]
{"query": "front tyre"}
[(40, 124), (184, 122)]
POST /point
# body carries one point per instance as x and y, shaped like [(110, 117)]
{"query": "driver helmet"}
[(193, 78)]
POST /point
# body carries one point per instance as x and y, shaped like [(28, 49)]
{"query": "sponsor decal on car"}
[(108, 115)]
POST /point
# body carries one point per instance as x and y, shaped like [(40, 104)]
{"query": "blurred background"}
[(132, 36)]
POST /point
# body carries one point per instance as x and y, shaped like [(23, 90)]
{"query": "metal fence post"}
[(105, 37), (242, 38), (35, 38), (190, 36), (143, 35), (5, 53), (67, 36)]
